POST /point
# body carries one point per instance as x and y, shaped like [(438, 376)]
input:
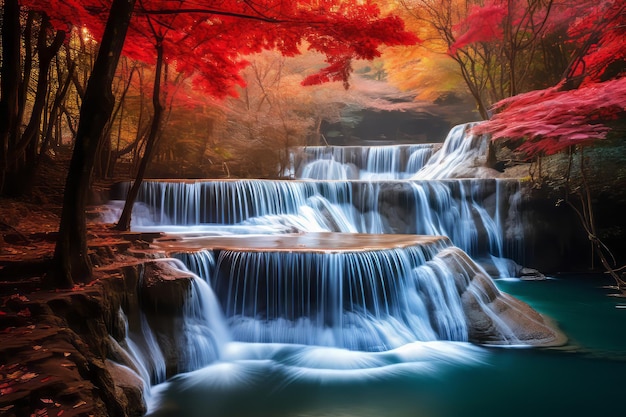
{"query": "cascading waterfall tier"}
[(361, 162), (462, 155), (479, 216), (357, 292)]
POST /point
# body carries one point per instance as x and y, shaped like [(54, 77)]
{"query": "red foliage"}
[(548, 121), (551, 120), (483, 23), (602, 30), (208, 38)]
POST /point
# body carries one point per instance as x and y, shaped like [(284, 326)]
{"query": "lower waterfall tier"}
[(356, 291)]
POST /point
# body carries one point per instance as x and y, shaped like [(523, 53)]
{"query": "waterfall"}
[(203, 328), (355, 300), (197, 339), (462, 155), (368, 300), (479, 215), (364, 163), (373, 287), (398, 189), (461, 151)]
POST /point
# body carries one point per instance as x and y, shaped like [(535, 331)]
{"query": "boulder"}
[(494, 317)]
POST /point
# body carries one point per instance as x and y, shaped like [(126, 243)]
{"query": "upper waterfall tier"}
[(462, 155), (361, 162)]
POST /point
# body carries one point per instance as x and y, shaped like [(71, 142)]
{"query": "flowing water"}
[(442, 379), (369, 332)]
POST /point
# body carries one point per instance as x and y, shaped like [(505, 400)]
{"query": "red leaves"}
[(207, 39), (602, 31), (66, 14), (338, 70), (484, 23), (551, 120), (11, 375)]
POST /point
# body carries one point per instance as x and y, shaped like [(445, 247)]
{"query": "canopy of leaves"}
[(601, 34), (209, 38), (424, 69)]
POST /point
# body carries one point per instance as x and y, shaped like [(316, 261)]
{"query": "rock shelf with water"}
[(295, 242), (356, 291)]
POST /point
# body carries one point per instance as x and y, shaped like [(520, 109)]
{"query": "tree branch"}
[(211, 11)]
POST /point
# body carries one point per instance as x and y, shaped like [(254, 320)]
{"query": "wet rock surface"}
[(494, 317), (298, 242)]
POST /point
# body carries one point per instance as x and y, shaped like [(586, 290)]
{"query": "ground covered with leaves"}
[(47, 367)]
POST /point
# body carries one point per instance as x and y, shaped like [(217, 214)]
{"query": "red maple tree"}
[(483, 23), (600, 36), (551, 120), (592, 92), (210, 39)]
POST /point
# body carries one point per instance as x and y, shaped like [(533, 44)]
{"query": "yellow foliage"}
[(425, 69)]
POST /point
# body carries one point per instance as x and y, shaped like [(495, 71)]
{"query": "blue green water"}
[(442, 379)]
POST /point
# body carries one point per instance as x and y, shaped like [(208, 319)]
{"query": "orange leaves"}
[(11, 375)]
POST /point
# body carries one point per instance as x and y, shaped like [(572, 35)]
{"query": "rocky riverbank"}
[(56, 344)]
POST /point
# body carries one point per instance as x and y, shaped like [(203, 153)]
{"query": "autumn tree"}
[(500, 47), (10, 81), (72, 262), (22, 147), (424, 69), (208, 41), (273, 113), (158, 31)]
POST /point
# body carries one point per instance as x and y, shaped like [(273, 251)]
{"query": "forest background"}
[(224, 89)]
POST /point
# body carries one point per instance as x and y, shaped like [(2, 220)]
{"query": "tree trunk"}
[(155, 129), (71, 258), (10, 81), (23, 157), (55, 114)]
